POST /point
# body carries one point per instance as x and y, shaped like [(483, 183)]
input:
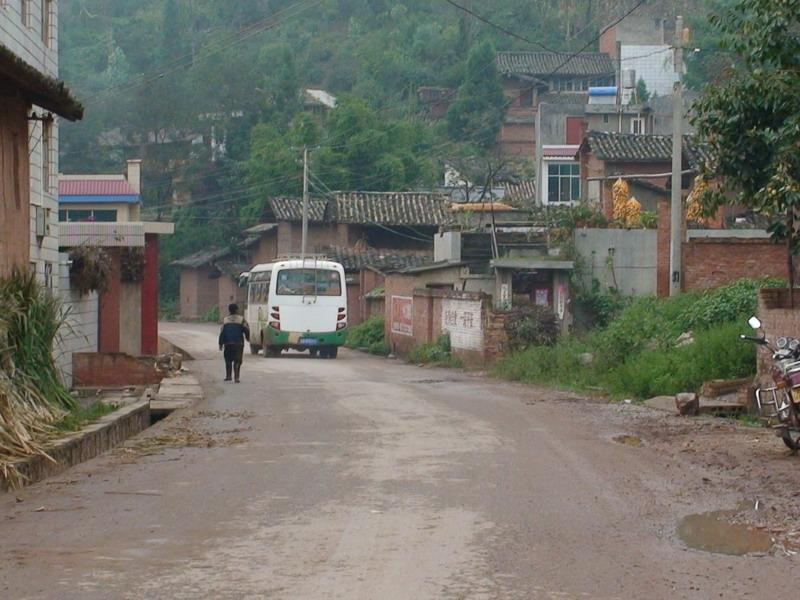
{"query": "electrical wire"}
[(502, 29)]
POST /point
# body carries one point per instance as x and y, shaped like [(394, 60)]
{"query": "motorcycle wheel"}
[(791, 443)]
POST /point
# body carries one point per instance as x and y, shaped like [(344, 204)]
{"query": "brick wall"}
[(779, 317), (714, 262), (199, 292), (113, 370)]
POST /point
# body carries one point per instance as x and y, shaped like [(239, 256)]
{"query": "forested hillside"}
[(161, 77)]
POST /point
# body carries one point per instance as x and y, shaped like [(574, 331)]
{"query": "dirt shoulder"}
[(713, 458)]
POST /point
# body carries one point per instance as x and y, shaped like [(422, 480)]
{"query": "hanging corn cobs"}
[(633, 213), (694, 210), (621, 194)]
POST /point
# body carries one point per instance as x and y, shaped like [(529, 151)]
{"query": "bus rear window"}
[(309, 282)]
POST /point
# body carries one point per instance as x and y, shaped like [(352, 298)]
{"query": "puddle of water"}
[(629, 440), (713, 532)]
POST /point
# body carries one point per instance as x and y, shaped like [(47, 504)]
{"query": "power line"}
[(596, 38), (502, 29)]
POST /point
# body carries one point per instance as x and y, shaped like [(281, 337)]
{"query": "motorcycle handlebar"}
[(757, 340)]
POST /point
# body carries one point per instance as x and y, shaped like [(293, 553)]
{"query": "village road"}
[(367, 479)]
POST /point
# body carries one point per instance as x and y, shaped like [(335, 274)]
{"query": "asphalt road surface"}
[(364, 478)]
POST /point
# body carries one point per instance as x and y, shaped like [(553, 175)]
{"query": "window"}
[(47, 133), (46, 8), (526, 97), (309, 282), (637, 125), (25, 11), (605, 118), (563, 182), (87, 216)]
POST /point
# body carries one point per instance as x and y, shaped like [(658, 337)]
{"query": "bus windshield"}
[(309, 282)]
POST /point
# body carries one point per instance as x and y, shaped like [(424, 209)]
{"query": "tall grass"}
[(32, 396), (636, 355)]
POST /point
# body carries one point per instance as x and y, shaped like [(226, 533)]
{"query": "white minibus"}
[(299, 305)]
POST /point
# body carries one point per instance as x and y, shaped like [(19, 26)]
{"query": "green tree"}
[(477, 114), (642, 93), (751, 121)]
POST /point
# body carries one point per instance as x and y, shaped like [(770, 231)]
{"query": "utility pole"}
[(676, 209), (305, 204)]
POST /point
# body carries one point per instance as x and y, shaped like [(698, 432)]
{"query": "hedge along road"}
[(364, 478)]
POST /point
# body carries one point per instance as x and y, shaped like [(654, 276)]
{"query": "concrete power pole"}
[(304, 242), (676, 212)]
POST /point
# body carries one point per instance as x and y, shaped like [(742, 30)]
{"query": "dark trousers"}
[(233, 359)]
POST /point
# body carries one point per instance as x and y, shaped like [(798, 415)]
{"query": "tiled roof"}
[(291, 209), (202, 258), (630, 147), (233, 269), (355, 260), (392, 208), (42, 90), (95, 187), (365, 208), (538, 64)]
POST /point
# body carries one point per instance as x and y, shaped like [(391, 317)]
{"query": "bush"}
[(635, 355), (531, 326), (370, 332), (733, 302), (603, 306), (437, 353), (717, 353), (550, 365), (212, 315)]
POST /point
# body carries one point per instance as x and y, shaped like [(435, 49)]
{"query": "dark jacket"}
[(234, 332)]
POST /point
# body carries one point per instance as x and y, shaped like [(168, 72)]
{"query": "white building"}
[(29, 29)]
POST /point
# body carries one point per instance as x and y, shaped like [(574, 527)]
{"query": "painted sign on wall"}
[(462, 320), (402, 315)]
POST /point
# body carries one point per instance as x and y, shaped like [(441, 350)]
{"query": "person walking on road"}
[(234, 332)]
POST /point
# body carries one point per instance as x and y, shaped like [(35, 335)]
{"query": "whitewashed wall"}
[(81, 334)]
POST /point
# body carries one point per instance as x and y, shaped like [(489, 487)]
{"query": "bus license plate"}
[(308, 342)]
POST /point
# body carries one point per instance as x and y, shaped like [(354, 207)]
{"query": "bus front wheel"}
[(254, 348), (273, 351)]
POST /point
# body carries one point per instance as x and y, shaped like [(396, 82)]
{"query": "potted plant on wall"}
[(90, 269)]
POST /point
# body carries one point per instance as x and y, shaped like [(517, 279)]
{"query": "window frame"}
[(573, 177)]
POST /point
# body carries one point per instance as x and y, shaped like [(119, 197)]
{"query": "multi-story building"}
[(31, 100)]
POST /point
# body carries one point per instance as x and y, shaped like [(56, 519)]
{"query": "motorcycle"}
[(781, 402)]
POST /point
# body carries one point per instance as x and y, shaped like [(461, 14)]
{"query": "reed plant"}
[(32, 394)]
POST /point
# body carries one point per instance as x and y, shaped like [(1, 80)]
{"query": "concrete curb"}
[(177, 393), (91, 441)]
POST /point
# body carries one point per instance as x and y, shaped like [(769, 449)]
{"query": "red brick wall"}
[(518, 139), (608, 42), (779, 318), (113, 370), (714, 262)]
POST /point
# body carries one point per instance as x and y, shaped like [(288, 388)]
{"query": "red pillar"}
[(150, 297), (108, 321)]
